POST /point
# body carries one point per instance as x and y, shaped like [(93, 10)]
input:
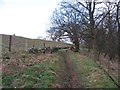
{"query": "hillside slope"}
[(21, 43)]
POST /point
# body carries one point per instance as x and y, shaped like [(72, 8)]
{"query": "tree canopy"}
[(94, 25)]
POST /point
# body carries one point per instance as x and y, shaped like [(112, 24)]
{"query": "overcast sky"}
[(28, 18)]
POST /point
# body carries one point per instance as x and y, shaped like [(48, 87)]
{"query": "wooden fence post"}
[(26, 45), (119, 65), (10, 43), (1, 47), (33, 43), (44, 45)]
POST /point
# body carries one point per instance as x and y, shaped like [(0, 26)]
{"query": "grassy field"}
[(50, 71), (32, 72), (21, 43)]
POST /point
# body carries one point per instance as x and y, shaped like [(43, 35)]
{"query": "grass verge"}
[(89, 74)]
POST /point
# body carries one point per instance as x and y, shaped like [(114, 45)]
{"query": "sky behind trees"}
[(28, 18)]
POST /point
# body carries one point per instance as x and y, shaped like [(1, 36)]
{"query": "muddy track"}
[(73, 80)]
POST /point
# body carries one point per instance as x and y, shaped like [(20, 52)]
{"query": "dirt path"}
[(73, 80), (72, 74)]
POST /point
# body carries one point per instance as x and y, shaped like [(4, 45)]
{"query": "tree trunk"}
[(10, 43), (95, 52), (98, 55), (92, 29), (109, 64), (117, 19), (76, 45), (88, 49), (119, 61)]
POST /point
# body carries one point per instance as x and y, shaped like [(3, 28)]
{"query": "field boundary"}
[(17, 43)]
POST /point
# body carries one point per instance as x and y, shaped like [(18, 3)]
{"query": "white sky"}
[(27, 18)]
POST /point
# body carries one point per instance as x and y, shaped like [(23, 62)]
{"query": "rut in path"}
[(73, 80)]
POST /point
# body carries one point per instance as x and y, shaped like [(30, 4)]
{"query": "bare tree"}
[(94, 15), (118, 22), (66, 24), (118, 14), (90, 7), (86, 21)]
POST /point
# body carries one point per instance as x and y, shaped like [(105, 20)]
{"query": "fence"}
[(0, 46), (17, 43), (0, 62), (109, 67)]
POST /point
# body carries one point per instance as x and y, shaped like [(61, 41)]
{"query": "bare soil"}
[(70, 76)]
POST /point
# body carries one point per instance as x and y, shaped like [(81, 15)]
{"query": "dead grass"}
[(19, 72)]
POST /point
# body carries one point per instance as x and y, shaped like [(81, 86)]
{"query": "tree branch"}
[(78, 11), (101, 20)]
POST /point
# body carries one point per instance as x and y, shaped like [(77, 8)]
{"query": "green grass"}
[(7, 80), (46, 73), (89, 74), (39, 79), (41, 75)]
